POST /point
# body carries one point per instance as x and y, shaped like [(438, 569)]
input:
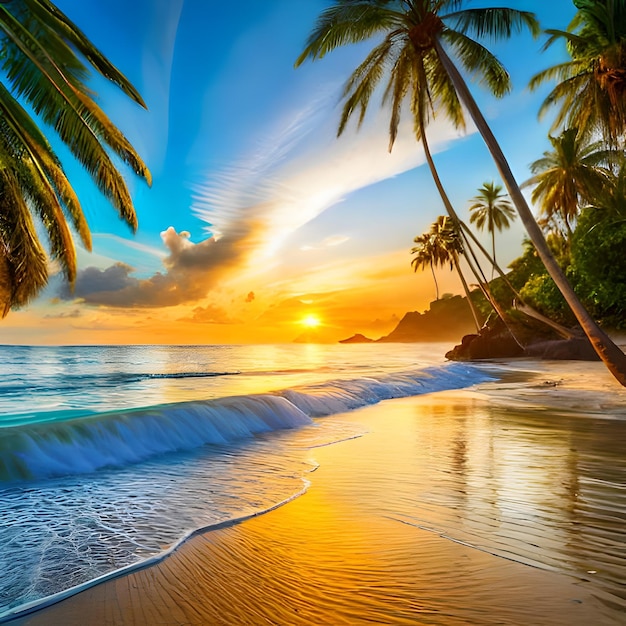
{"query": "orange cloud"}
[(191, 269), (209, 314)]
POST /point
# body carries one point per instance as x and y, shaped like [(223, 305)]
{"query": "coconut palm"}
[(439, 246), (425, 255), (610, 201), (568, 177), (418, 37), (45, 60), (491, 210), (591, 87)]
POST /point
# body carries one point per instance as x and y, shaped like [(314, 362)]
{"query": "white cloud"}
[(129, 243), (301, 170), (335, 240)]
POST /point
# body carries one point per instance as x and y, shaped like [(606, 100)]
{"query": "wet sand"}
[(450, 510)]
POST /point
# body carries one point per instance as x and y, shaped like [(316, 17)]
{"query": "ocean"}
[(110, 456)]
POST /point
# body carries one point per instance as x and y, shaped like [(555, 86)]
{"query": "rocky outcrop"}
[(446, 320), (575, 349), (358, 338), (522, 338)]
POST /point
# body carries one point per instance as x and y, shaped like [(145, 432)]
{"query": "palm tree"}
[(610, 201), (425, 255), (43, 61), (569, 176), (591, 87), (413, 54), (491, 209), (443, 245)]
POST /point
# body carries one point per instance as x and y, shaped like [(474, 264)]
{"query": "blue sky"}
[(258, 216)]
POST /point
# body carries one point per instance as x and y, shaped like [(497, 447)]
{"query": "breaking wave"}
[(84, 444)]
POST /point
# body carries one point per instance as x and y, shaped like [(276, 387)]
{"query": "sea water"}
[(112, 455)]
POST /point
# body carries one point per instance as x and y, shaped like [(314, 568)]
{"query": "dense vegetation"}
[(424, 49), (596, 267)]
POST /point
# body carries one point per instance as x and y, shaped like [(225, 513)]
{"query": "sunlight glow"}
[(310, 321)]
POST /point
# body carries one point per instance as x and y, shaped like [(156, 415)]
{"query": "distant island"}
[(450, 319), (447, 319)]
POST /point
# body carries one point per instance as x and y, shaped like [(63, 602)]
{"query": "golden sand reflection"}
[(408, 525)]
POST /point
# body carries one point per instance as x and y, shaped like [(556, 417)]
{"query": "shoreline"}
[(38, 606), (349, 549)]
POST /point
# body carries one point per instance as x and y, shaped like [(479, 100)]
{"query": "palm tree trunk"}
[(493, 247), (449, 208), (457, 267), (611, 355), (468, 232), (432, 269), (454, 216)]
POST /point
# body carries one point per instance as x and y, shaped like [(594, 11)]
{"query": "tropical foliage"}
[(426, 254), (599, 263), (422, 47), (407, 59), (491, 209), (45, 62), (591, 87), (442, 245), (569, 176)]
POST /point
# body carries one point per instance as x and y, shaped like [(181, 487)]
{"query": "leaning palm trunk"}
[(611, 355), (518, 303), (451, 212), (457, 220), (457, 267)]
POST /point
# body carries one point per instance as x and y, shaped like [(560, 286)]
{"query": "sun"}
[(310, 321)]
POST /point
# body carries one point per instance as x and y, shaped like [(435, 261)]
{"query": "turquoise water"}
[(110, 456), (54, 383)]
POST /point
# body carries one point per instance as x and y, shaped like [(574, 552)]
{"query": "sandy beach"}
[(452, 509)]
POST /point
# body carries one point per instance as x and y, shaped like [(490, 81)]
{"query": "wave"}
[(79, 382), (81, 445), (11, 612)]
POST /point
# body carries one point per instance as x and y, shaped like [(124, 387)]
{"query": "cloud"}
[(294, 174), (128, 243), (190, 270), (253, 205), (328, 242), (335, 240), (66, 315), (250, 297), (209, 315)]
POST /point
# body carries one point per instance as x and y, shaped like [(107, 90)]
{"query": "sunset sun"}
[(310, 321)]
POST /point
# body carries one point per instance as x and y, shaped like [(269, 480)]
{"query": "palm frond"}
[(36, 146), (442, 91), (558, 35), (479, 62), (559, 72), (400, 79), (38, 66), (25, 268), (421, 100), (566, 93), (40, 196), (496, 23), (77, 119), (347, 23), (49, 14), (363, 82)]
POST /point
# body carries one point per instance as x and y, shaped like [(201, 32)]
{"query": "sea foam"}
[(81, 445)]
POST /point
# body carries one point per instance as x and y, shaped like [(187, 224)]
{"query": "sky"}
[(260, 223)]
